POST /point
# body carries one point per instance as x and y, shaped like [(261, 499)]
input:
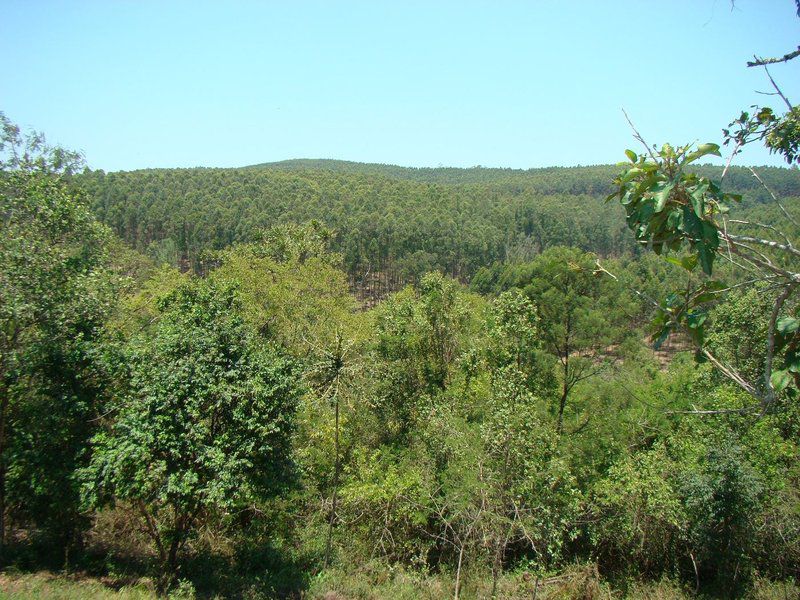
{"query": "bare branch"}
[(765, 261), (760, 62), (749, 267), (774, 197), (734, 152), (770, 390), (769, 243), (764, 226), (738, 247), (753, 264), (777, 89), (742, 284), (728, 244), (731, 374), (601, 269), (724, 411)]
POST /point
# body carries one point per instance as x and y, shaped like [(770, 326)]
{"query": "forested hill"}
[(386, 218), (590, 179)]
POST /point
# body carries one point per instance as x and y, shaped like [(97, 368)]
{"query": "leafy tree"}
[(391, 225), (721, 492), (639, 522), (526, 487), (506, 491), (204, 426), (578, 313), (55, 291), (293, 290), (31, 153), (386, 503), (514, 330), (420, 337)]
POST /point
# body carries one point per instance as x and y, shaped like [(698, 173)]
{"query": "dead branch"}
[(769, 243)]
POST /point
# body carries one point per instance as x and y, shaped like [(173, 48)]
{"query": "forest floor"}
[(578, 583)]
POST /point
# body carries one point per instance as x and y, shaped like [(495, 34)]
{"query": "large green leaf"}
[(780, 379), (685, 262), (702, 150), (787, 325), (662, 195)]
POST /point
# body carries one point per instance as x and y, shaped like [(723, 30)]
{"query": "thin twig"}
[(731, 374), (730, 159), (639, 137), (601, 269), (721, 411), (775, 198)]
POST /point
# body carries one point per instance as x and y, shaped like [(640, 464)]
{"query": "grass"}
[(374, 581), (50, 586)]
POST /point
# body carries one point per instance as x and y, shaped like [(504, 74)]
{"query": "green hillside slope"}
[(385, 217)]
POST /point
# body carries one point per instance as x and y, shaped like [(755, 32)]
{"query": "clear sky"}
[(137, 84)]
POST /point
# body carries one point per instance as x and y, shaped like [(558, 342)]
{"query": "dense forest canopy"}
[(385, 218)]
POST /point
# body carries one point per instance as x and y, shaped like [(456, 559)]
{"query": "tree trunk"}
[(169, 567), (565, 388), (458, 572), (564, 393), (332, 516), (3, 419), (497, 567)]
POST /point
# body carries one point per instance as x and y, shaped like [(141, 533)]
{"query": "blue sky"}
[(137, 84)]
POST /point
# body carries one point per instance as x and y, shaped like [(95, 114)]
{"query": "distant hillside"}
[(600, 174), (592, 179), (386, 217)]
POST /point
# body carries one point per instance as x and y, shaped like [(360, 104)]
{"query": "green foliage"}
[(529, 489), (691, 502), (741, 325), (668, 207), (514, 331), (32, 154), (640, 521), (787, 343), (387, 502), (580, 315), (204, 426), (720, 493), (298, 243), (420, 337), (49, 587), (781, 135), (56, 290), (292, 289)]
